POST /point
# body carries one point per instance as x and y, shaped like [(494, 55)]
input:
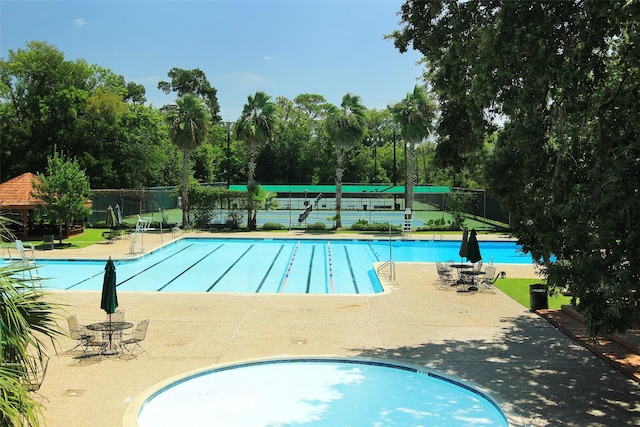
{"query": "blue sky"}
[(284, 48)]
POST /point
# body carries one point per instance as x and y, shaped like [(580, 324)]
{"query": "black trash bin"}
[(47, 239), (538, 296)]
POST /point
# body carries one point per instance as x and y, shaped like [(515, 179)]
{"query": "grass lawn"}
[(518, 289), (89, 237)]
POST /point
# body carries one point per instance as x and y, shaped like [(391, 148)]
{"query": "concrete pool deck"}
[(486, 338)]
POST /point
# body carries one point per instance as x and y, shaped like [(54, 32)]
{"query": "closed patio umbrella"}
[(473, 248), (111, 218), (464, 245), (109, 301)]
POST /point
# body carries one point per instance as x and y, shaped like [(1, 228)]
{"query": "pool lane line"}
[(102, 272), (188, 268), (264, 278), (313, 251), (83, 280), (153, 265), (229, 269), (286, 274), (375, 253), (353, 277), (330, 267)]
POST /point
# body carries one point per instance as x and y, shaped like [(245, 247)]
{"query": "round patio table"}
[(109, 328)]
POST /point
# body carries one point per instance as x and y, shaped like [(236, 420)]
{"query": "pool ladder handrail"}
[(392, 270)]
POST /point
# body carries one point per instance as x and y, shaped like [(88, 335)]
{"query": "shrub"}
[(362, 225), (317, 226), (272, 226)]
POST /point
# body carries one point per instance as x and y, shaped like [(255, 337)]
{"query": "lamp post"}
[(227, 126), (374, 144)]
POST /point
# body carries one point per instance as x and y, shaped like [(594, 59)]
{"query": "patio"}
[(485, 338)]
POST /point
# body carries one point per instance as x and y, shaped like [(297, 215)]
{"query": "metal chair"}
[(77, 333), (138, 335), (445, 276), (35, 376)]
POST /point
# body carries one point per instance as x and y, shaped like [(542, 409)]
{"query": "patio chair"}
[(138, 335), (117, 316), (35, 377), (445, 276), (96, 340), (489, 279), (77, 333)]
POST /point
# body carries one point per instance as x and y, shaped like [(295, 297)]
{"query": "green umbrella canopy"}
[(464, 245), (111, 218), (109, 301), (473, 248)]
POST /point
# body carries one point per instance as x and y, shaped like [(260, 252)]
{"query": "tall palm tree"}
[(415, 115), (27, 326), (189, 123), (345, 126), (255, 128)]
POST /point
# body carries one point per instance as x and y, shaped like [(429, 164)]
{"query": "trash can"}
[(538, 296), (48, 241)]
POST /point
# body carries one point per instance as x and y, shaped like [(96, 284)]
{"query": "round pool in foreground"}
[(315, 392)]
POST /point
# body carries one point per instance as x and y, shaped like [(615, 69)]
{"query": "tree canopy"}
[(64, 191), (559, 83)]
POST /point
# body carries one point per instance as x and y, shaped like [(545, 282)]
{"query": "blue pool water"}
[(319, 392), (263, 265)]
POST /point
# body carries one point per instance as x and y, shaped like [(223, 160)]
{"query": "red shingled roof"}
[(16, 193)]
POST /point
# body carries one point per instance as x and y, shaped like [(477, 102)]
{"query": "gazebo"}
[(15, 196)]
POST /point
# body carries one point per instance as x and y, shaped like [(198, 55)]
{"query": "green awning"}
[(346, 189)]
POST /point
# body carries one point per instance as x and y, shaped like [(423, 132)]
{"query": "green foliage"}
[(316, 226), (27, 329), (255, 127), (208, 202), (64, 191), (192, 82), (188, 126), (562, 80), (414, 115), (346, 127), (363, 225), (259, 199), (273, 226)]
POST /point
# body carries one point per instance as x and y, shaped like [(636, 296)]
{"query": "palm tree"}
[(259, 198), (255, 128), (346, 127), (27, 323), (415, 115), (188, 126)]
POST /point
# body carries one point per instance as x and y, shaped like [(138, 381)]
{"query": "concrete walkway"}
[(486, 338)]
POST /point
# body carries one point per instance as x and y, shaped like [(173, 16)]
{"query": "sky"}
[(282, 47)]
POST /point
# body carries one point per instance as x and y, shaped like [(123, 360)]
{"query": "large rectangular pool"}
[(263, 265)]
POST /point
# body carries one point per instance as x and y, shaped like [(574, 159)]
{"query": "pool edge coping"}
[(136, 404)]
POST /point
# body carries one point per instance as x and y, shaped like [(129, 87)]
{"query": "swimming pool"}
[(263, 265), (316, 392)]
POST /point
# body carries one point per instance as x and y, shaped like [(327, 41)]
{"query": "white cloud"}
[(79, 22), (268, 58)]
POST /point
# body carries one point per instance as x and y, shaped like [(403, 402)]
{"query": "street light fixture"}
[(373, 141), (227, 126)]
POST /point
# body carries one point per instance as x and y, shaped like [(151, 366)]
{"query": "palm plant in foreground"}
[(27, 322), (345, 127)]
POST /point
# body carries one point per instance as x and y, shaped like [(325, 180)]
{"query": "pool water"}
[(262, 265), (319, 392)]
